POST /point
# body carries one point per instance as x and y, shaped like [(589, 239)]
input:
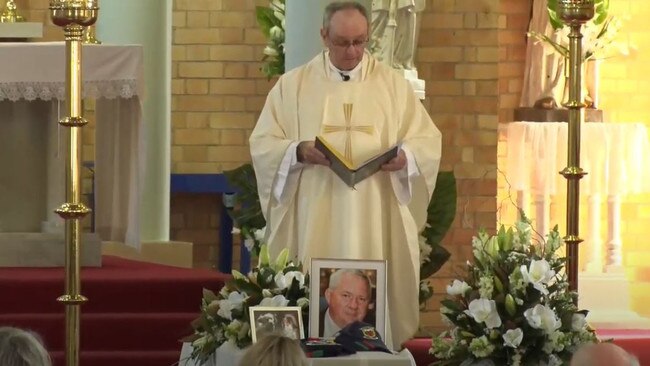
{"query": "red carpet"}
[(134, 317), (635, 341)]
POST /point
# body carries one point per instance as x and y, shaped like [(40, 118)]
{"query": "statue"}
[(395, 28), (544, 78)]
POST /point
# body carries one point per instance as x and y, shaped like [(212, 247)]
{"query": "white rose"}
[(578, 322), (542, 317), (275, 301), (270, 51), (512, 338), (458, 288), (259, 234), (276, 33), (302, 302), (538, 273), (484, 311)]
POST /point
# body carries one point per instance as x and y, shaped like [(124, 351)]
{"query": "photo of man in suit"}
[(348, 298)]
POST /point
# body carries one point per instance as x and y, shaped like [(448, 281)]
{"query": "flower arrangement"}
[(272, 23), (514, 307), (599, 34), (250, 224), (225, 317)]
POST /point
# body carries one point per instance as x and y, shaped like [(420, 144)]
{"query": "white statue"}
[(395, 28), (544, 78)]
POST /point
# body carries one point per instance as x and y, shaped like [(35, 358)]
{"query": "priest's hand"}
[(396, 163), (308, 154)]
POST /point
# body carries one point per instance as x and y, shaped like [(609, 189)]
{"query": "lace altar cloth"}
[(36, 70)]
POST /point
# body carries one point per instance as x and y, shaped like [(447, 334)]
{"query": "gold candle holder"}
[(10, 14), (73, 16), (90, 36), (574, 13)]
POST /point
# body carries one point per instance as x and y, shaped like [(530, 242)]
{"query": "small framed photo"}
[(344, 291), (285, 320)]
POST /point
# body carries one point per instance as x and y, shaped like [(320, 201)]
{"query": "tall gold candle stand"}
[(574, 13), (73, 16), (10, 14)]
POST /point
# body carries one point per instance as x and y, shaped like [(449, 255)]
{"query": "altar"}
[(32, 144), (229, 355)]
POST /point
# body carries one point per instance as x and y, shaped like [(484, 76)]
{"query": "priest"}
[(362, 108)]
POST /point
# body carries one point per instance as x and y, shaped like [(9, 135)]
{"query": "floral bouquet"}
[(272, 23), (225, 316), (514, 307)]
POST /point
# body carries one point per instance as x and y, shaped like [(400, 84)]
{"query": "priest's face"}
[(348, 302), (346, 38)]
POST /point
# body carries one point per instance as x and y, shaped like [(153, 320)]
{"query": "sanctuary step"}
[(135, 315), (46, 250)]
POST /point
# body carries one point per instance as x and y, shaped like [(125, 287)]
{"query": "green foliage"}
[(272, 24)]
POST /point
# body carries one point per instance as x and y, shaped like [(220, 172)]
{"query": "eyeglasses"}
[(357, 43)]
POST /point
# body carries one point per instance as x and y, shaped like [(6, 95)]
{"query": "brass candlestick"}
[(574, 13), (73, 16), (10, 14), (90, 36)]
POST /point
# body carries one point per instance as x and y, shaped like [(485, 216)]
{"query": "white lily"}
[(538, 273), (542, 317), (513, 337), (458, 288), (275, 301), (484, 311)]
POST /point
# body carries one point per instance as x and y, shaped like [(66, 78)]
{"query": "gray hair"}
[(336, 6), (274, 349), (335, 278), (22, 348)]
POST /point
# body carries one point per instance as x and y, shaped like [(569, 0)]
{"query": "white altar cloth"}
[(111, 74), (229, 355), (616, 157)]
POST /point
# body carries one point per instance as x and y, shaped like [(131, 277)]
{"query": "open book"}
[(349, 173)]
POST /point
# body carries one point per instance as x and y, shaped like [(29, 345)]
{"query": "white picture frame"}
[(320, 271), (285, 320)]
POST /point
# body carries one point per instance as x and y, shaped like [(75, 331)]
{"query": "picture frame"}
[(323, 322), (285, 320)]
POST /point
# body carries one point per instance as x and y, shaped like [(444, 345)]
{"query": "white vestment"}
[(318, 215)]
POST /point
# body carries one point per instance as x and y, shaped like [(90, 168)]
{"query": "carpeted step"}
[(120, 285), (419, 348), (110, 331), (121, 358)]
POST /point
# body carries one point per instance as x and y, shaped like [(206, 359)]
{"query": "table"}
[(32, 88), (229, 355)]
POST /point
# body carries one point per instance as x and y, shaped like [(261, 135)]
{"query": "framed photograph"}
[(286, 320), (343, 291)]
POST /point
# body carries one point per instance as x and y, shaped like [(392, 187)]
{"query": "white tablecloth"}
[(616, 157), (229, 355), (113, 75)]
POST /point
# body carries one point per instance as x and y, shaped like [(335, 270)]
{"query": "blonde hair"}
[(22, 348), (274, 350)]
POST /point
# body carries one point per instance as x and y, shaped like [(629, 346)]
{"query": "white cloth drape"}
[(113, 75), (616, 157), (229, 355)]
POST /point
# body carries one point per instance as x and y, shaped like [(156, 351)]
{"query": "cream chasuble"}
[(321, 217)]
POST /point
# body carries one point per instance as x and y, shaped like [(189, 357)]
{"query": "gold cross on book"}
[(348, 129)]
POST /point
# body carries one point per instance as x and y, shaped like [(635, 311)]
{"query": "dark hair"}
[(336, 6)]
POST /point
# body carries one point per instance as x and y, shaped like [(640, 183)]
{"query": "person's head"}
[(345, 33), (21, 348), (348, 296), (289, 320), (602, 354), (274, 350)]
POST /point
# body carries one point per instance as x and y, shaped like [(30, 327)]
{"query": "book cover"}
[(344, 168)]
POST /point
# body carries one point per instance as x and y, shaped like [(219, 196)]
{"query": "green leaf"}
[(440, 215), (265, 18)]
